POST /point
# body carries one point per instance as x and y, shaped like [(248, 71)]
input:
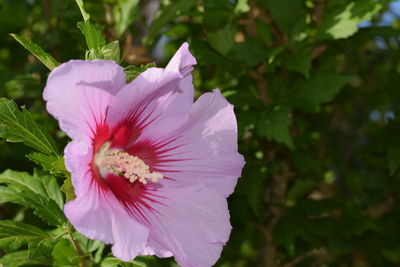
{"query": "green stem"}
[(78, 248), (85, 15)]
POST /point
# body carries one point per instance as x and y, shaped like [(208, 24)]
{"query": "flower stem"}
[(78, 248)]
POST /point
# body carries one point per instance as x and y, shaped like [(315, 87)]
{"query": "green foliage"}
[(289, 15), (37, 51), (15, 234), (85, 15), (316, 99), (50, 163), (41, 193), (141, 261), (167, 14), (125, 12), (68, 189), (19, 126), (342, 21), (64, 254), (94, 37), (24, 258), (319, 89), (274, 124), (133, 71), (222, 39)]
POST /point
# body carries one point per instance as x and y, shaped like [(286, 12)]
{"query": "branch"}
[(297, 260)]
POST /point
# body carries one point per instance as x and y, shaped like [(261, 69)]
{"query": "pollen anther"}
[(121, 163)]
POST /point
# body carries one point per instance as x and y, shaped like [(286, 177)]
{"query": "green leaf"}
[(393, 155), (19, 126), (140, 261), (94, 37), (343, 20), (274, 124), (299, 61), (68, 190), (13, 235), (167, 14), (53, 164), (24, 258), (85, 15), (242, 6), (251, 51), (110, 51), (133, 71), (290, 15), (125, 13), (222, 39), (37, 51), (40, 193), (321, 88), (64, 254)]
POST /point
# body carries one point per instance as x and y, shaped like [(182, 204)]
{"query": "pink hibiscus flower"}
[(151, 169)]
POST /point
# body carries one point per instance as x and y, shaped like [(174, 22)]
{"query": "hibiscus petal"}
[(192, 222), (154, 91), (203, 147), (78, 93), (98, 215), (78, 155)]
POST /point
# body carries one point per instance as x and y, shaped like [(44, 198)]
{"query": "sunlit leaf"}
[(94, 37), (37, 51)]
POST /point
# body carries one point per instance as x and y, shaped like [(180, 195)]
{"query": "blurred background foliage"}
[(315, 85)]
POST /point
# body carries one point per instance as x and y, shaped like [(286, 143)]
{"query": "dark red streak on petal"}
[(133, 196)]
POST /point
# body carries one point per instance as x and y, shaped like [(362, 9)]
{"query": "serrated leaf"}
[(133, 71), (51, 163), (343, 21), (251, 51), (167, 14), (23, 258), (321, 88), (40, 193), (110, 51), (222, 40), (64, 254), (300, 61), (15, 234), (289, 15), (94, 37), (274, 124), (19, 126), (68, 190), (37, 51)]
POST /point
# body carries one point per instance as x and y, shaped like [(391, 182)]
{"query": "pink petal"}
[(202, 148), (154, 91), (191, 222), (98, 215), (78, 93), (78, 155)]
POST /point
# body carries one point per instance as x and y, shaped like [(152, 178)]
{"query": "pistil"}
[(120, 163)]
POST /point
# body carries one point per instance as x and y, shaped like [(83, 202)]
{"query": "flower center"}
[(120, 163)]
